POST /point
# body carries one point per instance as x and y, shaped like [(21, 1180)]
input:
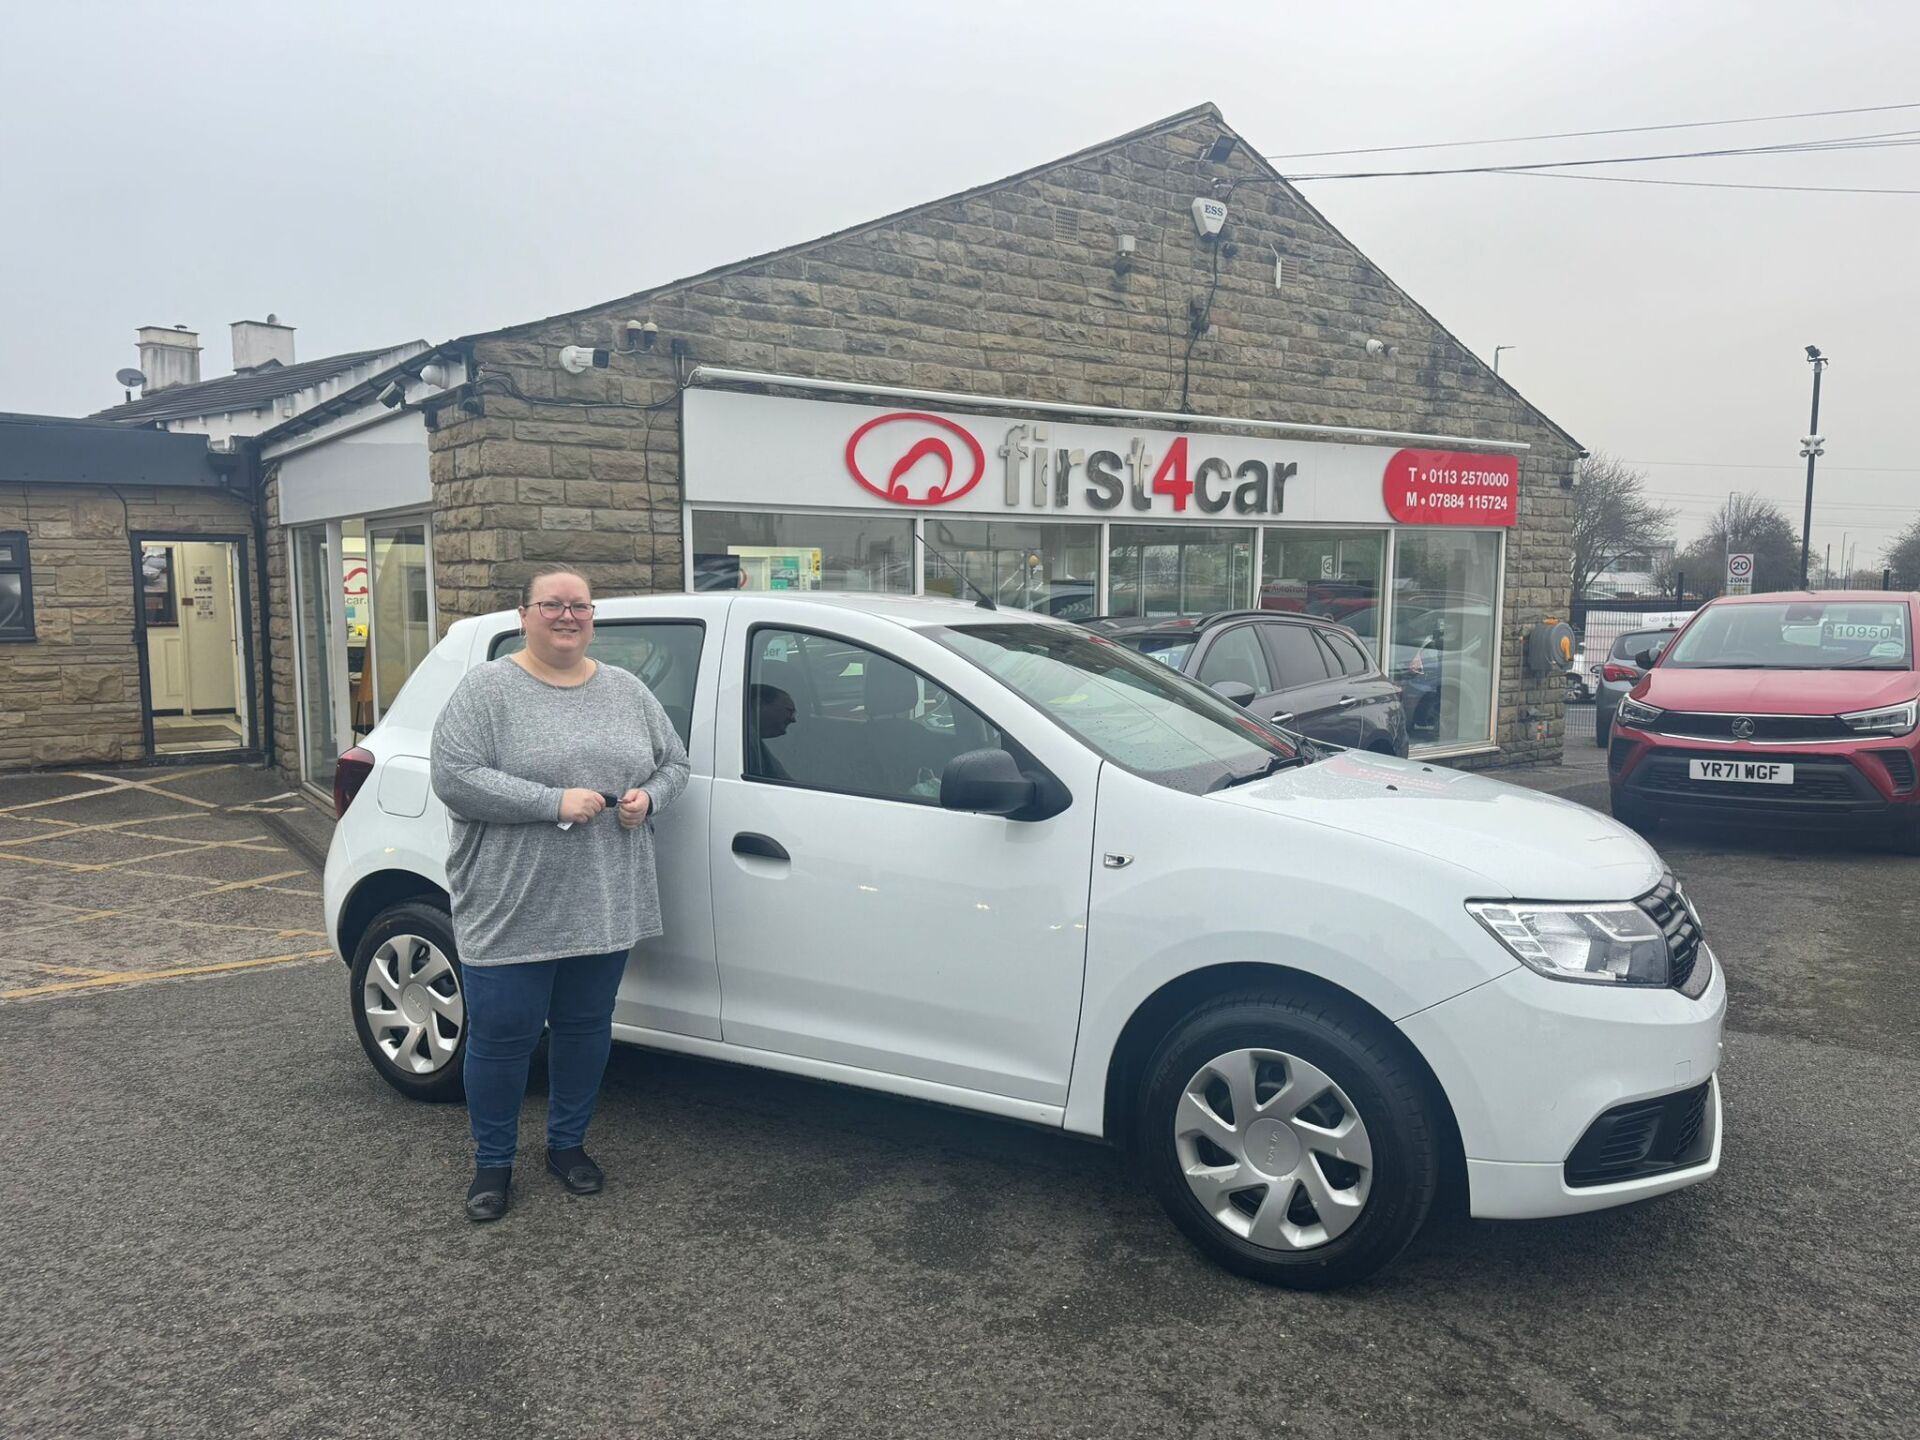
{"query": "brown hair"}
[(526, 590)]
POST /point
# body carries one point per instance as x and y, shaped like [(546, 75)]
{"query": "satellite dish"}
[(131, 379)]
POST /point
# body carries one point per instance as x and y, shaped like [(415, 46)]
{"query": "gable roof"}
[(1204, 111), (228, 393)]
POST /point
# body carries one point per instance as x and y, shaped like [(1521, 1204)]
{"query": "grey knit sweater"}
[(504, 750)]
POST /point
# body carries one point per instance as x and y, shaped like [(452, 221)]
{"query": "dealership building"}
[(1145, 379)]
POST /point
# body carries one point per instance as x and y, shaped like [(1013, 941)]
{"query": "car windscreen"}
[(1131, 710), (1797, 635)]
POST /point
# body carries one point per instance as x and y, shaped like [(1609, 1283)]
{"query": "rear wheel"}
[(1289, 1140), (408, 1006), (1602, 729)]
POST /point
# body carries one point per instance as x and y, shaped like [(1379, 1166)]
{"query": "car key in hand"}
[(607, 795)]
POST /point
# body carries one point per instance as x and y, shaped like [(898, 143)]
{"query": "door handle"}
[(1346, 700), (763, 846)]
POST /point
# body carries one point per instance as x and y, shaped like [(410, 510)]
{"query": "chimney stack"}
[(258, 344), (168, 357)]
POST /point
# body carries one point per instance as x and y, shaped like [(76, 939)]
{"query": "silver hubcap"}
[(413, 1004), (1273, 1149)]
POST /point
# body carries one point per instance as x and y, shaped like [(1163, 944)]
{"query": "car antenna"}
[(985, 602)]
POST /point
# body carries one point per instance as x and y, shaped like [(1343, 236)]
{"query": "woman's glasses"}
[(554, 609)]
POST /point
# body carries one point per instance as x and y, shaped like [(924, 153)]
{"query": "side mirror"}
[(986, 782), (1238, 691), (1644, 659)]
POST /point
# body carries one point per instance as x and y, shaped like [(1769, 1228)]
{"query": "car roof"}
[(912, 611), (1193, 624), (1844, 597)]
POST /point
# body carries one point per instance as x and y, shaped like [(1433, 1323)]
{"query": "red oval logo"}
[(907, 458)]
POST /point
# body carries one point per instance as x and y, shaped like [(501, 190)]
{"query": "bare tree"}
[(1612, 517), (1903, 557), (1744, 525)]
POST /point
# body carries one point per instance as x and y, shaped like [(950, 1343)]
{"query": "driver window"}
[(664, 654), (831, 715)]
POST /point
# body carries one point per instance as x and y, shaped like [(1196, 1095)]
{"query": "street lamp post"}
[(1496, 355), (1812, 447)]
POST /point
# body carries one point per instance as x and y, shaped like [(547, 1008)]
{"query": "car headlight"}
[(1887, 720), (1614, 944), (1635, 713)]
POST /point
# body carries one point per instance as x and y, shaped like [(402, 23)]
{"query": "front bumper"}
[(1529, 1064), (1834, 783)]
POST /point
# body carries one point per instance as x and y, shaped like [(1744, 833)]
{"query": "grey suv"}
[(1620, 672), (1303, 672)]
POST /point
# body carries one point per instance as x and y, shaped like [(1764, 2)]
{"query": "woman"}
[(548, 893)]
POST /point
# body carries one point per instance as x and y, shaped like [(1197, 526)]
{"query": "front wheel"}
[(1290, 1141), (1632, 814), (408, 1006)]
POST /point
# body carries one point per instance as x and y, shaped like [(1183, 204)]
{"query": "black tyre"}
[(1291, 1141), (1602, 730), (1906, 838), (408, 1005)]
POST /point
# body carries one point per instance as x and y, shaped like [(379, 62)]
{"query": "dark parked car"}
[(1308, 674), (1620, 672)]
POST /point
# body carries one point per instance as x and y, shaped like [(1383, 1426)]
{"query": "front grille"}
[(1646, 1137), (1899, 765), (1668, 908), (1775, 728), (1818, 784)]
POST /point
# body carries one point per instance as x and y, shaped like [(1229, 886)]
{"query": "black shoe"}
[(576, 1170), (487, 1196)]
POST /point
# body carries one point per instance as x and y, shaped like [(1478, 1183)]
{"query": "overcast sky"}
[(375, 173)]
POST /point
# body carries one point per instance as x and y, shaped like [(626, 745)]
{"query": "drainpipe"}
[(247, 472)]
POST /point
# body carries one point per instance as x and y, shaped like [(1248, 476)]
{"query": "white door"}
[(207, 618), (856, 921)]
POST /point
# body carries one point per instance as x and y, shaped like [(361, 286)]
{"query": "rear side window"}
[(1352, 658), (1299, 660), (665, 654), (1634, 641)]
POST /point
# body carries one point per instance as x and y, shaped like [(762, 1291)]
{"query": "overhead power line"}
[(1712, 184), (1585, 134), (1884, 140)]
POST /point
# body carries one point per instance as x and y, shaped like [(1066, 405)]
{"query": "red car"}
[(1796, 708)]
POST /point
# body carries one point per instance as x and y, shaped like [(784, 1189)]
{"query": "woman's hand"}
[(577, 807), (634, 806)]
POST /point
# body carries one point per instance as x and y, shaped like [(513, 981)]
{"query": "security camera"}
[(1813, 352), (395, 395), (641, 334), (578, 359)]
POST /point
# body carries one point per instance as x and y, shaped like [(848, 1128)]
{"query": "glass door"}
[(401, 604), (319, 653)]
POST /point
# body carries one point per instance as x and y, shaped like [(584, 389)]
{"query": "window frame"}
[(496, 651), (23, 567), (1028, 762), (170, 611)]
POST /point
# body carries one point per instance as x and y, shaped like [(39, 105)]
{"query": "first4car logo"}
[(908, 457)]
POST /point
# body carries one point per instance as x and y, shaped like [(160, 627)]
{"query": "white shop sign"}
[(779, 453)]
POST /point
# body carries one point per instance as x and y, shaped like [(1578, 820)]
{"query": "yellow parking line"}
[(66, 969), (152, 787), (66, 828), (248, 884), (137, 977)]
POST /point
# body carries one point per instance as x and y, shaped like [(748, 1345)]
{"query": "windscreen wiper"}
[(1272, 767)]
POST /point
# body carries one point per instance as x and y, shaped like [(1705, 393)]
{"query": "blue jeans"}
[(506, 1007)]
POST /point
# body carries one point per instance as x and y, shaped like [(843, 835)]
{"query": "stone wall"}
[(1006, 291), (72, 694)]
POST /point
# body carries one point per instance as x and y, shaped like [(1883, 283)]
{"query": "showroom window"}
[(1333, 573), (1178, 569), (738, 550), (1444, 635), (16, 587), (1050, 569)]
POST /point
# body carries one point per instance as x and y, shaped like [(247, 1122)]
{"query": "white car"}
[(999, 862)]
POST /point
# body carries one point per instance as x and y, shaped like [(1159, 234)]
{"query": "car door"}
[(858, 922), (1303, 685), (1367, 702), (672, 982)]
